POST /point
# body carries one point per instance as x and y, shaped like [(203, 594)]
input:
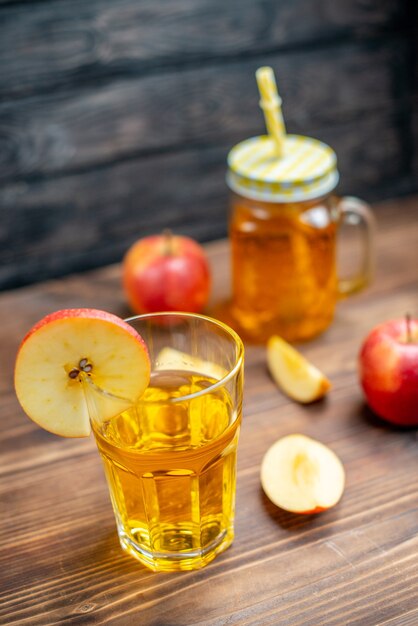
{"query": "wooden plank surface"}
[(60, 44), (97, 125), (356, 564), (116, 117), (86, 219)]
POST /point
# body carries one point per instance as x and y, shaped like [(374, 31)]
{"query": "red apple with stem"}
[(388, 364), (166, 273)]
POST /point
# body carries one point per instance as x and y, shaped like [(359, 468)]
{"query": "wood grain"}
[(354, 565), (88, 219), (60, 44), (59, 133), (116, 117)]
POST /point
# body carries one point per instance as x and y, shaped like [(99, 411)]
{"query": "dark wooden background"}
[(116, 115)]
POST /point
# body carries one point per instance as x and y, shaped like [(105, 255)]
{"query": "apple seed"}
[(83, 366)]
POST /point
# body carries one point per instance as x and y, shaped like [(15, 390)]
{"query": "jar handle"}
[(356, 212)]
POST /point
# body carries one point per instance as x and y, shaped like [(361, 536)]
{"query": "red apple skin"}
[(388, 366), (318, 509), (166, 273), (85, 313)]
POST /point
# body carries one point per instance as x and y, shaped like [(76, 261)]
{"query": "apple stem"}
[(168, 242), (408, 328)]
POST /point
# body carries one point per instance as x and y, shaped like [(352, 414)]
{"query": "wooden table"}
[(355, 564)]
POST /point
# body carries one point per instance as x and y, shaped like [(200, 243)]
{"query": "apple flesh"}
[(171, 359), (388, 367), (166, 273), (301, 475), (295, 375), (68, 348)]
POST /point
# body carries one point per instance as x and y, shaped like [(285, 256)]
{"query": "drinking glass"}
[(170, 459)]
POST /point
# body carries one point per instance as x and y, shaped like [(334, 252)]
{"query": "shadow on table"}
[(107, 555), (292, 522), (366, 414)]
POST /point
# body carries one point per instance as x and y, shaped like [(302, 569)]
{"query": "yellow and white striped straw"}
[(270, 102)]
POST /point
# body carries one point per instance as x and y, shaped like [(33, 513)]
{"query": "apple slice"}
[(171, 359), (69, 347), (294, 374), (301, 475)]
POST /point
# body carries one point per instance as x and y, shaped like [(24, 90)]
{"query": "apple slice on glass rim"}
[(63, 351)]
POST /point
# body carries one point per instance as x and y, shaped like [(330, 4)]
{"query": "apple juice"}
[(284, 278), (170, 462)]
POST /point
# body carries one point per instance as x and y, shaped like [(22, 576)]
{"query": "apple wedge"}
[(171, 359), (301, 475), (69, 347), (295, 375)]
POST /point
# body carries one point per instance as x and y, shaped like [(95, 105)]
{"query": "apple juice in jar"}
[(282, 232), (283, 226)]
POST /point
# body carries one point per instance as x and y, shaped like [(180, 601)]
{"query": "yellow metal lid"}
[(307, 169)]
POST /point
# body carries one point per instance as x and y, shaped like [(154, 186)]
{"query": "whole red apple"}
[(166, 273), (389, 371)]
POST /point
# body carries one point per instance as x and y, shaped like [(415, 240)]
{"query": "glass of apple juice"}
[(170, 459)]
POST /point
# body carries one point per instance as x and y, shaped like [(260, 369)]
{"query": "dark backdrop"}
[(116, 115)]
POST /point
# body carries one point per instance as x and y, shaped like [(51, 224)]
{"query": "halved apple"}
[(172, 359), (69, 347), (294, 374), (302, 475)]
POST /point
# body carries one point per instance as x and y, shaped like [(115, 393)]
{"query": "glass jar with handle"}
[(283, 230)]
